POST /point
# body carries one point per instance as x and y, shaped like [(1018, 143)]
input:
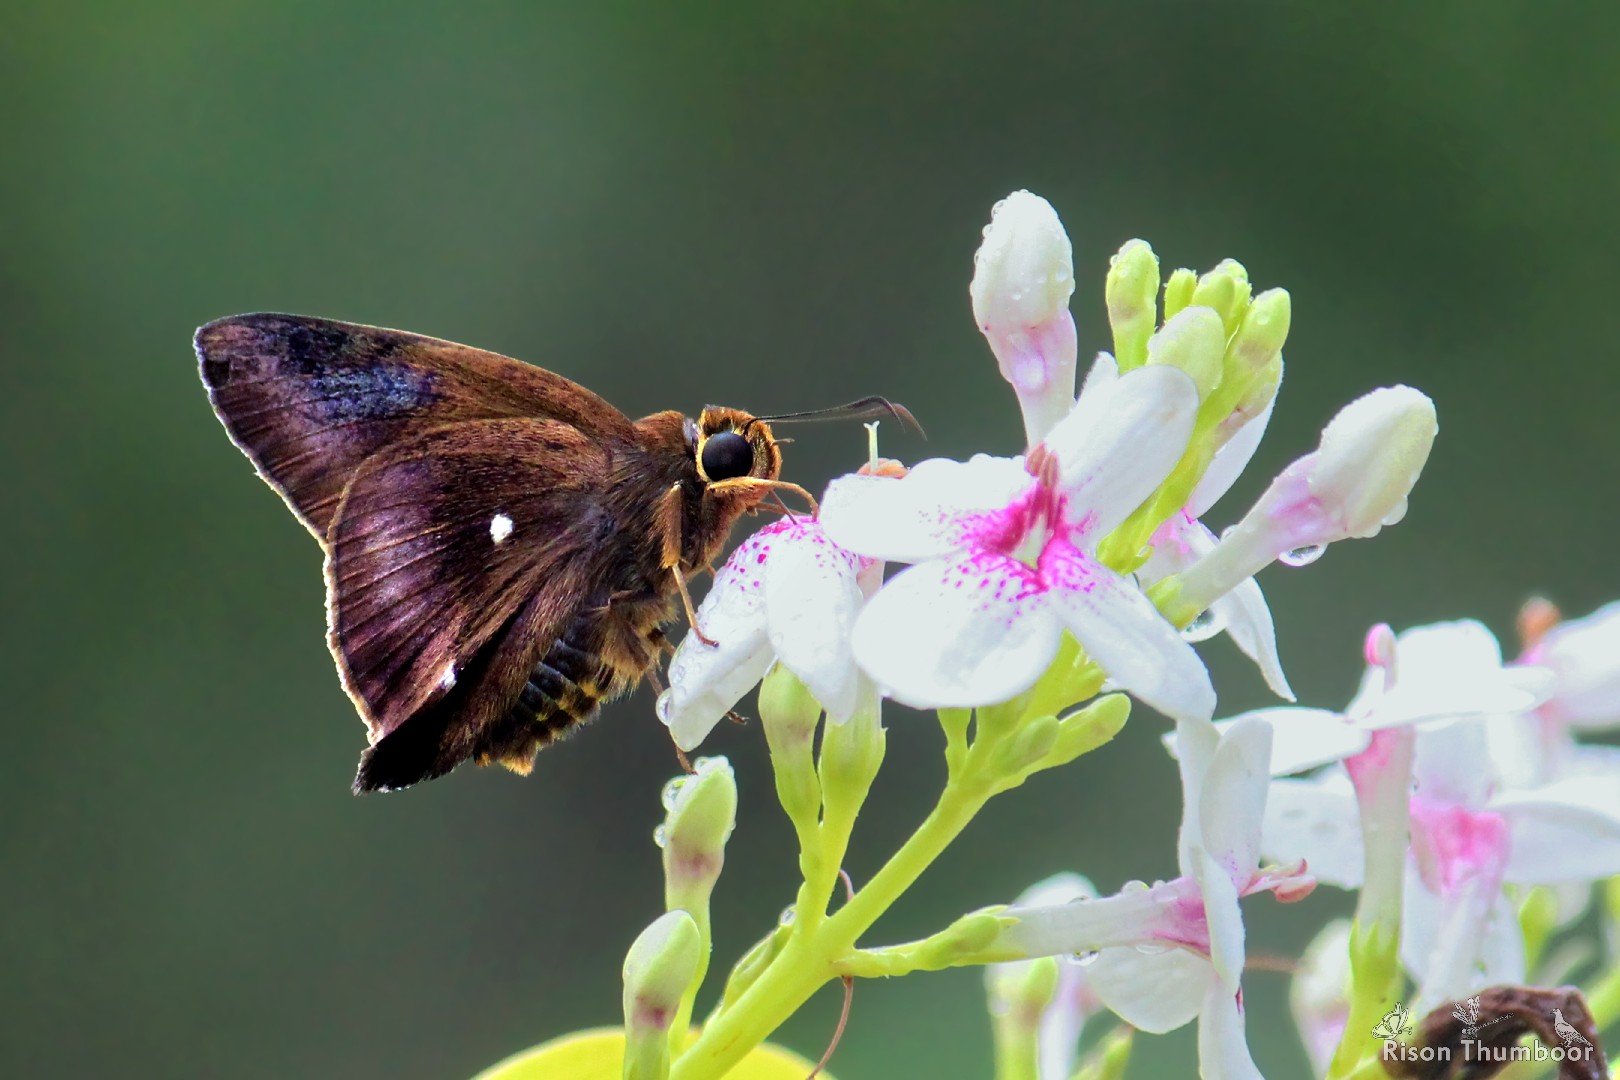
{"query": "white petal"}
[(1229, 462), (1585, 655), (1225, 919), (1315, 820), (1246, 618), (811, 601), (1447, 670), (1156, 993), (1303, 739), (972, 632), (1121, 442), (1193, 745), (1233, 801), (1122, 630), (1452, 762), (1558, 834), (1223, 1049), (919, 516), (705, 681)]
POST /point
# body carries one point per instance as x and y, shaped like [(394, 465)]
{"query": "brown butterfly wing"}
[(308, 400), (453, 563)]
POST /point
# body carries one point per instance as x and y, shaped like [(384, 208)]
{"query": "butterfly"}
[(503, 548)]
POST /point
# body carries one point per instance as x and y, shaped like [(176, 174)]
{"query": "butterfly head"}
[(730, 445)]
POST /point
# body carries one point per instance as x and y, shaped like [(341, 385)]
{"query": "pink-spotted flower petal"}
[(786, 594)]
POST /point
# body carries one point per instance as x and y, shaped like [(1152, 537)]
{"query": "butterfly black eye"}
[(727, 456)]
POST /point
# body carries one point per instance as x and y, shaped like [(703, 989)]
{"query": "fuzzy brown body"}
[(503, 547)]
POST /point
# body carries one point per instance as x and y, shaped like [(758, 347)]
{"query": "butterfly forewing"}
[(308, 400)]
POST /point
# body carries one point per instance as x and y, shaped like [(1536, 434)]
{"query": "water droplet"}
[(1151, 949), (1302, 556), (672, 792), (1087, 958), (1134, 886), (1204, 626), (787, 916), (661, 835)]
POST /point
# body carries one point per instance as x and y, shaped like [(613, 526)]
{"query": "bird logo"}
[(1566, 1030)]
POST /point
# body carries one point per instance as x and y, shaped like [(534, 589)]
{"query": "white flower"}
[(1023, 276), (1471, 833), (1183, 539), (787, 594), (1005, 559), (1161, 955)]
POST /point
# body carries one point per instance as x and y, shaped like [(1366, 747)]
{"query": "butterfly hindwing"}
[(309, 400), (453, 564)]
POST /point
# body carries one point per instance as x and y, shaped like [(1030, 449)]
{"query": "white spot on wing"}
[(449, 678), (500, 527)]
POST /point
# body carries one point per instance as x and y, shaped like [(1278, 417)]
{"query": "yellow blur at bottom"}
[(599, 1055)]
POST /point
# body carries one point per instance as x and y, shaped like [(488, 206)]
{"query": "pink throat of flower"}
[(1454, 843), (1021, 529)]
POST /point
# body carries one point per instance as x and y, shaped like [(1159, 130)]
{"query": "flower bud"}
[(1259, 340), (1370, 457), (1354, 484), (1225, 290), (660, 966), (1178, 292), (1023, 276), (789, 714), (1194, 341), (702, 812), (1320, 994), (851, 754), (1132, 292)]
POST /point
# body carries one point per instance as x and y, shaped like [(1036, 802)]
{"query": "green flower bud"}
[(789, 715), (1194, 340), (1226, 290), (1032, 742), (702, 812), (660, 966), (1178, 292), (1132, 291), (1260, 339), (1018, 993), (1085, 730), (851, 754)]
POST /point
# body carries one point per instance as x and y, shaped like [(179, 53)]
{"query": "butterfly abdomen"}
[(602, 654)]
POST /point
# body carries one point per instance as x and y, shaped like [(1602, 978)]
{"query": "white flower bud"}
[(1371, 455), (1023, 276)]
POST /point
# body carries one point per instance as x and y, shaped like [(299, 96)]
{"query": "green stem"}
[(809, 959)]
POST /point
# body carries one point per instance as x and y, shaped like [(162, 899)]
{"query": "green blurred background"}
[(772, 206)]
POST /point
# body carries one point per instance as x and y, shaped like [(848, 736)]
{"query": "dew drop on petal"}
[(1302, 556), (789, 913), (661, 835), (1204, 626), (671, 792), (1148, 948), (1086, 958)]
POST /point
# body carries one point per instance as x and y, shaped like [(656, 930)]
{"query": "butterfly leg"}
[(669, 520)]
